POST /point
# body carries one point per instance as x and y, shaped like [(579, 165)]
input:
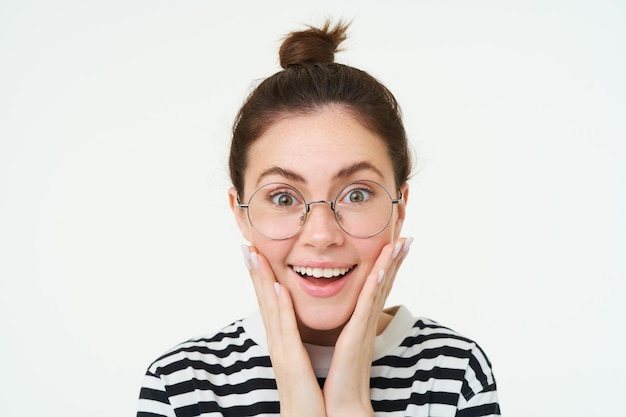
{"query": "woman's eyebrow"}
[(341, 174), (285, 173), (355, 167)]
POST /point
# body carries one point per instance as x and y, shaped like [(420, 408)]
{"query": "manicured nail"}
[(407, 246), (246, 255), (254, 259), (396, 250), (381, 275), (277, 288)]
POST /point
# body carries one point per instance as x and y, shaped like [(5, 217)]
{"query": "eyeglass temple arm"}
[(245, 206), (399, 200)]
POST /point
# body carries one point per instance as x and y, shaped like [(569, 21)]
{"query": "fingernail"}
[(254, 259), (407, 245), (396, 250), (381, 274), (277, 288), (246, 255)]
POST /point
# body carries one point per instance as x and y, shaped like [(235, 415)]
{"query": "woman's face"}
[(318, 154)]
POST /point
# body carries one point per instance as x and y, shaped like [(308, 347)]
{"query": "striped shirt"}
[(420, 368)]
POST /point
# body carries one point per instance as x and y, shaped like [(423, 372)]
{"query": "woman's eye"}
[(357, 196), (283, 200)]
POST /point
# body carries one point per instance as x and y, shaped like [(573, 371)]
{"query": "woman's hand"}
[(299, 391), (346, 390), (347, 387)]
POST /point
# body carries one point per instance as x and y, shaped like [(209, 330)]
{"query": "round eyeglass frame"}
[(332, 204)]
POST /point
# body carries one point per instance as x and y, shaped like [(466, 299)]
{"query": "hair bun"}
[(314, 45)]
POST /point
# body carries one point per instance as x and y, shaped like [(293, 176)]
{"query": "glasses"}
[(362, 209)]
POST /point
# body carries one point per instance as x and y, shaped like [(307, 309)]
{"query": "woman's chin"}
[(322, 326)]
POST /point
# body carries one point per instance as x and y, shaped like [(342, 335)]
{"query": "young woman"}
[(319, 163)]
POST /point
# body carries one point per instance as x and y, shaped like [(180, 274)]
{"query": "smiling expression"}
[(323, 268)]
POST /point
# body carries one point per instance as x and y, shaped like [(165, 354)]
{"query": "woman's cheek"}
[(276, 252)]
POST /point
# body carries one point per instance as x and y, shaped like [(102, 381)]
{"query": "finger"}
[(367, 311), (274, 301), (378, 278), (276, 297), (263, 280), (288, 322), (251, 261), (400, 251), (380, 281)]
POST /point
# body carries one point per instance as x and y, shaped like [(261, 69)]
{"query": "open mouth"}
[(326, 273)]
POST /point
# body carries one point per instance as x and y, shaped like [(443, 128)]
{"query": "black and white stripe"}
[(424, 370)]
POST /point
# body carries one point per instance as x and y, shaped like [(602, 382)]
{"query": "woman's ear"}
[(401, 207), (239, 213)]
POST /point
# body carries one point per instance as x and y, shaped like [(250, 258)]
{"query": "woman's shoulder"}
[(415, 341), (427, 330), (429, 333), (218, 347), (422, 356), (423, 332)]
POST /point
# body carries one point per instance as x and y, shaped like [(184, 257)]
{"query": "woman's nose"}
[(321, 228)]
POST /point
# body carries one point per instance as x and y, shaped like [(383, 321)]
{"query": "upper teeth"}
[(321, 272)]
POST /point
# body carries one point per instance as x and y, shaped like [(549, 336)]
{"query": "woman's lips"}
[(322, 282)]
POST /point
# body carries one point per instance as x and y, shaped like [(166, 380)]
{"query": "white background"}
[(116, 241)]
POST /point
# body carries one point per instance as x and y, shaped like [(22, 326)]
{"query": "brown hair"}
[(310, 80)]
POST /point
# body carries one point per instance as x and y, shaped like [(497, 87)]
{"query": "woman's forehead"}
[(327, 141)]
